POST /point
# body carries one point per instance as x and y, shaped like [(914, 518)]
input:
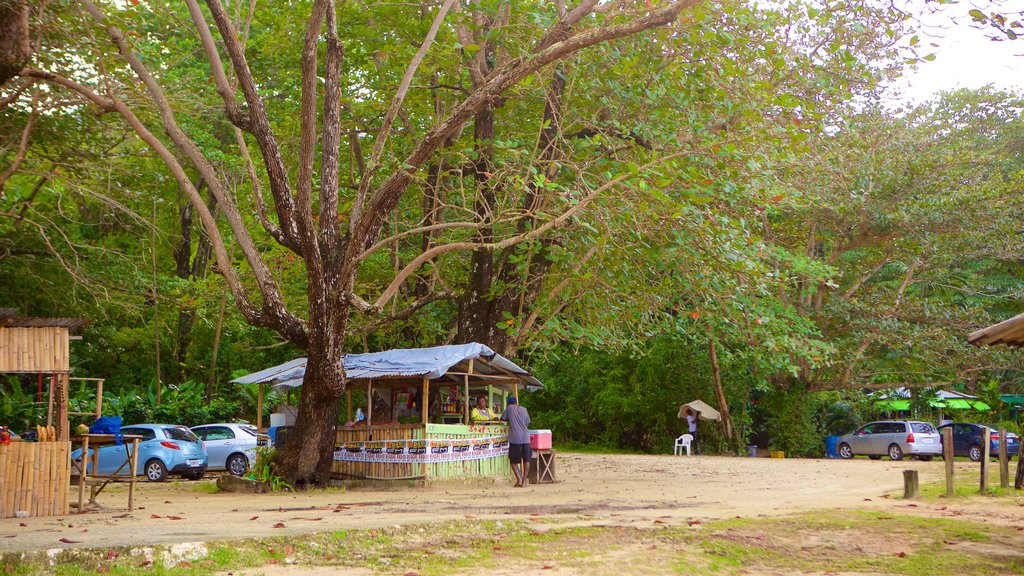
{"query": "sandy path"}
[(593, 489)]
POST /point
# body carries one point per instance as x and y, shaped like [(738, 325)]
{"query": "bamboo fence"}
[(35, 477)]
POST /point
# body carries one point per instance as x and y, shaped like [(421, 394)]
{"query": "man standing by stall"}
[(518, 419)]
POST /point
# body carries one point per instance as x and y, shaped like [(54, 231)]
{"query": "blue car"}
[(164, 449), (967, 440)]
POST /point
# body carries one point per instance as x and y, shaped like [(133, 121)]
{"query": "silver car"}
[(894, 438), (231, 447)]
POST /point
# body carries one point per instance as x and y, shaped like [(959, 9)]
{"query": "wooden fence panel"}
[(35, 477)]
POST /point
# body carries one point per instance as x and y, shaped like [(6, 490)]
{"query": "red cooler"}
[(540, 439)]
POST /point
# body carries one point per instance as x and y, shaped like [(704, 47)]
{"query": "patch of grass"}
[(206, 487), (823, 541), (967, 485)]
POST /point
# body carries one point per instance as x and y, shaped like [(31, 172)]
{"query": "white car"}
[(231, 447)]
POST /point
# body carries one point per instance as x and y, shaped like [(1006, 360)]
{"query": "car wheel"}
[(193, 475), (974, 453), (156, 471), (237, 464), (925, 458), (895, 452), (875, 457), (845, 452)]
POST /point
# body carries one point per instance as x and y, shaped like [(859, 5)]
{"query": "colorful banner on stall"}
[(423, 451)]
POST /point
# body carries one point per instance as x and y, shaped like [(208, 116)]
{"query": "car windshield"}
[(922, 427), (183, 434), (250, 429)]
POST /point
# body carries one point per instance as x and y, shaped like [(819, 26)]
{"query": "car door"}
[(861, 440), (220, 443), (962, 434), (883, 437), (148, 446), (111, 456)]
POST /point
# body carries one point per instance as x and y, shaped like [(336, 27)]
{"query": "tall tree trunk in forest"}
[(189, 267), (15, 47), (716, 377)]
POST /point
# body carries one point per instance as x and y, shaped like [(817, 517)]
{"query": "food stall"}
[(417, 422)]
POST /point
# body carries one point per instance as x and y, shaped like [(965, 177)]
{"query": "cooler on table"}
[(540, 439)]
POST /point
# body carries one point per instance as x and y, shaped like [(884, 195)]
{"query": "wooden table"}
[(542, 467), (98, 481)]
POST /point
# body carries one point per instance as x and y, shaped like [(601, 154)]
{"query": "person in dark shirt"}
[(518, 419)]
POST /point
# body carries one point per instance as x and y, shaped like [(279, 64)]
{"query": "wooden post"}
[(133, 461), (63, 432), (99, 398), (425, 401), (1004, 460), (49, 403), (369, 402), (986, 454), (947, 454), (465, 415), (82, 473), (259, 408), (910, 484), (1018, 481)]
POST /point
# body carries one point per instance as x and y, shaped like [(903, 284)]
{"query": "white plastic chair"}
[(683, 442)]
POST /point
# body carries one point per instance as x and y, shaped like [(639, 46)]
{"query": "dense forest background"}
[(765, 219)]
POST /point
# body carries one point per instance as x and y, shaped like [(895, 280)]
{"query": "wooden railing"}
[(378, 470)]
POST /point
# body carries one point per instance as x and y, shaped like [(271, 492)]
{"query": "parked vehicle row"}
[(921, 440), (168, 449)]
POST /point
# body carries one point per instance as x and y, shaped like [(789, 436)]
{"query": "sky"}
[(966, 58)]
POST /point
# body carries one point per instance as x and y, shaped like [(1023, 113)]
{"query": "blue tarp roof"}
[(429, 363)]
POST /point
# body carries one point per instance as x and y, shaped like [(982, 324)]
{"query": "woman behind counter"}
[(482, 413)]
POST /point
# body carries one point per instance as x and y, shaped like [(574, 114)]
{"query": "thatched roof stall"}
[(436, 437), (466, 365)]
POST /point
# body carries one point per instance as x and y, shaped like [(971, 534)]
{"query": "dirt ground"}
[(606, 490)]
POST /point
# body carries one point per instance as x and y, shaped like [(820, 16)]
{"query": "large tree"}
[(333, 233)]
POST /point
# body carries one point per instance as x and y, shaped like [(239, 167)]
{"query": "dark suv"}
[(967, 440)]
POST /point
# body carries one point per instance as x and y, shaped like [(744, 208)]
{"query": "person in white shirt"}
[(691, 422)]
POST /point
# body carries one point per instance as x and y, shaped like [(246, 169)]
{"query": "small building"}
[(35, 476)]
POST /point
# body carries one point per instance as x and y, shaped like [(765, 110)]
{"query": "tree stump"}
[(910, 484)]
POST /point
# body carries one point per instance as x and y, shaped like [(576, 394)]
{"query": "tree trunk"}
[(304, 463), (15, 48), (716, 376)]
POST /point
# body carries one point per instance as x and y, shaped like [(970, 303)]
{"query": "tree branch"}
[(436, 251), (388, 194), (226, 91), (331, 142), (396, 104), (19, 157), (272, 160)]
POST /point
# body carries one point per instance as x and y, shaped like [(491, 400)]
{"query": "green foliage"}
[(184, 404), (18, 408), (263, 470), (789, 422)]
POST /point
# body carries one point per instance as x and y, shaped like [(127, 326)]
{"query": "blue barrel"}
[(831, 445), (752, 451)]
